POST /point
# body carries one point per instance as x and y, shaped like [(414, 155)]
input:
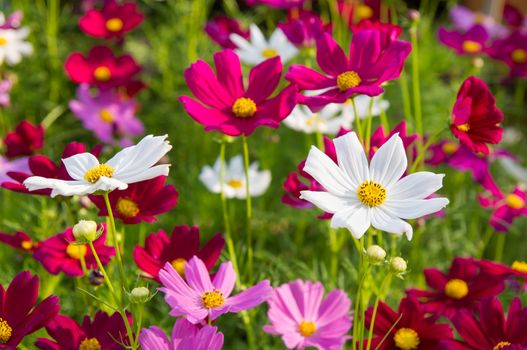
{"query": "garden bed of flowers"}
[(262, 174)]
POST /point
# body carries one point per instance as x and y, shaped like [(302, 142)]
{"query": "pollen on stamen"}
[(348, 80), (456, 289), (463, 127), (94, 174), (114, 24), (371, 193), (5, 331), (90, 344), (127, 207), (501, 345), (269, 53), (471, 46), (244, 107), (406, 339), (213, 299), (307, 329), (102, 73)]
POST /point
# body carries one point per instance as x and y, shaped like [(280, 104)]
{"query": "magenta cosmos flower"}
[(507, 208), (5, 88), (232, 109), (112, 21), (185, 336), (409, 328), (104, 332), (107, 114), (20, 241), (180, 247), (475, 116), (59, 253), (304, 27), (279, 4), (199, 299), (24, 140), (220, 28), (20, 314), (12, 21), (472, 42), (101, 68), (369, 65), (463, 287), (464, 19), (513, 52), (300, 314), (141, 201)]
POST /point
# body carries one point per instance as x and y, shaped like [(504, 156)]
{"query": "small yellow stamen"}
[(106, 116), (364, 11), (463, 127), (307, 329), (5, 331), (269, 53), (520, 266), (102, 73), (179, 265), (456, 289), (406, 339), (479, 17), (449, 147), (213, 299), (471, 46), (76, 251), (236, 184), (26, 245), (90, 344), (94, 174), (3, 41), (519, 56), (348, 80), (371, 193), (127, 207), (514, 201), (114, 24), (244, 107), (501, 345)]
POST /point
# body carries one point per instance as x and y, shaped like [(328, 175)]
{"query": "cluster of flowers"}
[(475, 33)]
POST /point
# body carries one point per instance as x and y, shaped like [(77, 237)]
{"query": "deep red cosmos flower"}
[(463, 287), (24, 140), (475, 117), (473, 42), (379, 137), (408, 328), (221, 27), (112, 21), (354, 12), (101, 68), (104, 332), (368, 66), (58, 253), (303, 27), (232, 109), (492, 329), (507, 208), (516, 271), (389, 32), (180, 247), (513, 52), (20, 314), (20, 240), (141, 201), (43, 166)]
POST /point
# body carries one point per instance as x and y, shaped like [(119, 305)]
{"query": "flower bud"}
[(96, 278), (375, 254), (139, 295), (414, 15), (398, 265), (85, 230)]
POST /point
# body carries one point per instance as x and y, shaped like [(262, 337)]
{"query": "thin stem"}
[(83, 262), (113, 233), (416, 87), (358, 317), (101, 268), (368, 126), (500, 246), (375, 307), (248, 208), (357, 120)]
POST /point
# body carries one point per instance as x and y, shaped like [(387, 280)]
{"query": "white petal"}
[(209, 178), (351, 158), (150, 173), (356, 219), (326, 201), (35, 183), (514, 169), (259, 183), (383, 221), (277, 38), (416, 186), (79, 164), (327, 173), (240, 42), (236, 168), (389, 162), (257, 37), (414, 208)]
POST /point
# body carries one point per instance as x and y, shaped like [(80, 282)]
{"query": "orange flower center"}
[(114, 24), (463, 127), (514, 201), (213, 299), (26, 245), (5, 331), (244, 107), (307, 329), (348, 80), (519, 56), (471, 46), (102, 73), (127, 207), (179, 265), (90, 344), (501, 345), (456, 288), (76, 251), (406, 339), (371, 193), (106, 116)]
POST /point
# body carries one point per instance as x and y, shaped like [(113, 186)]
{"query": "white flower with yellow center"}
[(13, 45), (132, 164), (361, 196), (258, 49), (234, 178)]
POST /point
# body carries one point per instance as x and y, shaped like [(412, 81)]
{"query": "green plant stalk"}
[(357, 120), (417, 90), (500, 247), (358, 319), (52, 29), (334, 258), (248, 209), (375, 307), (368, 127)]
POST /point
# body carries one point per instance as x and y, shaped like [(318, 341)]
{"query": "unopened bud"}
[(414, 15), (398, 265), (139, 295), (85, 230), (375, 254)]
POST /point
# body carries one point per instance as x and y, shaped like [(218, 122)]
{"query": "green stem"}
[(375, 307), (368, 127), (115, 242), (52, 30), (248, 209), (358, 318), (101, 268), (416, 87), (357, 120), (500, 246)]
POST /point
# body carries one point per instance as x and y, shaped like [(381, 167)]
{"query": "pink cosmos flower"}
[(101, 68), (24, 140), (185, 336), (301, 315), (200, 299), (230, 108), (507, 208), (279, 4), (220, 28), (20, 241), (472, 42), (513, 52), (304, 27), (464, 19), (7, 167), (368, 66), (108, 115), (13, 21), (112, 21), (5, 88)]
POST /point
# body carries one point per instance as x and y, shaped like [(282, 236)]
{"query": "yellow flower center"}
[(94, 174), (471, 46), (179, 265), (348, 80), (244, 107), (406, 339), (449, 147), (514, 201), (519, 56), (5, 331), (26, 245), (102, 73), (213, 299), (456, 288), (3, 41), (106, 116), (307, 329), (127, 207), (236, 184), (364, 11), (520, 266), (371, 193), (501, 345), (76, 251), (479, 17), (463, 127), (90, 344), (269, 53), (114, 24)]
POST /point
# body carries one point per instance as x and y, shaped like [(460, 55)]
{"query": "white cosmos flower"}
[(132, 164), (234, 178), (258, 49), (12, 45), (514, 169), (360, 195)]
